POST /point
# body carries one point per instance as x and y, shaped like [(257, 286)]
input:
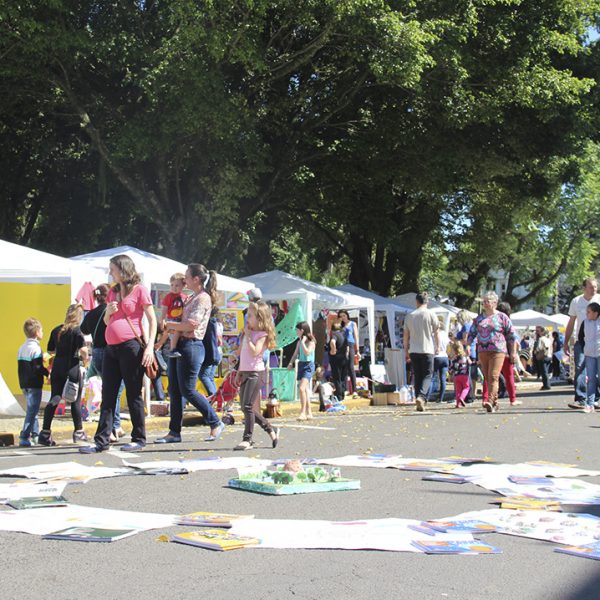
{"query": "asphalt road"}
[(143, 567)]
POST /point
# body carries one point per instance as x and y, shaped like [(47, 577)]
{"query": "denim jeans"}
[(122, 362), (183, 374), (97, 361), (440, 371), (543, 368), (207, 377), (422, 368), (31, 427), (592, 366)]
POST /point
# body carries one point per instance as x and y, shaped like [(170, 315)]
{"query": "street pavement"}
[(542, 428)]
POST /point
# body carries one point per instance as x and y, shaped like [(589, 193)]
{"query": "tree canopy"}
[(405, 143)]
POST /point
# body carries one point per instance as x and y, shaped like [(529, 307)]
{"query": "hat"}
[(254, 294)]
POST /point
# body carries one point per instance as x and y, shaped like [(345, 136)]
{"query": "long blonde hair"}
[(264, 320), (73, 318)]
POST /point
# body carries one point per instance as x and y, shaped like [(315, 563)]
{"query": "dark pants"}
[(422, 367), (543, 369), (351, 371), (122, 362), (57, 383), (183, 374), (252, 381), (338, 375)]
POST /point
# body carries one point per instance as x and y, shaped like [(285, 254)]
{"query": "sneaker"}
[(45, 438), (218, 431), (275, 440), (79, 436), (488, 407), (420, 404), (25, 444), (112, 438), (132, 447), (89, 450), (119, 432), (170, 438), (244, 445), (588, 409), (515, 403)]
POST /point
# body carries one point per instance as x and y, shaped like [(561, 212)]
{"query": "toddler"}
[(173, 303), (459, 367)]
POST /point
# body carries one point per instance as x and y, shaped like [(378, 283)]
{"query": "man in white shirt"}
[(577, 310), (421, 343)]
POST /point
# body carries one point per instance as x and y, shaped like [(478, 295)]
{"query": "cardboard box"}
[(393, 398), (379, 399)]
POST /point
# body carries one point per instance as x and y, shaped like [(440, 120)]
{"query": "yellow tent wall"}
[(19, 301)]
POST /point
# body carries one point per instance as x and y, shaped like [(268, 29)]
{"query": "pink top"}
[(118, 329), (249, 362)]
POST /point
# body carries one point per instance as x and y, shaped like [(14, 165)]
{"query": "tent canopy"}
[(153, 269), (19, 264), (277, 285), (388, 305), (533, 318)]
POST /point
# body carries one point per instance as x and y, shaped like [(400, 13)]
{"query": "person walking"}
[(440, 366), (184, 371), (337, 349), (421, 342), (125, 358), (543, 355), (495, 338), (67, 342), (589, 338), (577, 315), (351, 332)]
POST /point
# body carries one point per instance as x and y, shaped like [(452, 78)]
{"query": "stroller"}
[(222, 400)]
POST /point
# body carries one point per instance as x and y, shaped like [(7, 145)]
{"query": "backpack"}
[(212, 355)]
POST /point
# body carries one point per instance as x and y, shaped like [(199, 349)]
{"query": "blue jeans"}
[(183, 386), (97, 360), (592, 366), (440, 370), (31, 427), (207, 377)]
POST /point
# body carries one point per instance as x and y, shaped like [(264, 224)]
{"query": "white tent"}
[(560, 319), (277, 285), (389, 306), (153, 269), (533, 318)]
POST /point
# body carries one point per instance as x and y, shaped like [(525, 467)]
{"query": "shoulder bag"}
[(158, 366)]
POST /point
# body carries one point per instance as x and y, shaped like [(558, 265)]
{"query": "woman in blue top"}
[(351, 333), (305, 353)]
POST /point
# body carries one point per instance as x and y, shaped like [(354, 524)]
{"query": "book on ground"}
[(455, 547), (210, 519), (586, 551), (90, 534), (466, 526), (37, 502), (215, 539)]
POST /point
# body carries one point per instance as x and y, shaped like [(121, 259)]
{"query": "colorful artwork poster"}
[(233, 321), (230, 344), (235, 300)]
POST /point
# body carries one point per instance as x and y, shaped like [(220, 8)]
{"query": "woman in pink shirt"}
[(124, 358)]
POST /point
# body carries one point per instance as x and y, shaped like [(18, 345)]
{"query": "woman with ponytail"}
[(196, 314), (66, 341)]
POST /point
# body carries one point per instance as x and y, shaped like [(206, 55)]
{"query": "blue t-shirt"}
[(349, 332)]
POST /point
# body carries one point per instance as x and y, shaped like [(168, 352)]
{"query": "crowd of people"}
[(487, 347)]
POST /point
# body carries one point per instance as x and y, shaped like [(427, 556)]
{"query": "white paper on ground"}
[(39, 521), (27, 489), (68, 471), (373, 534), (562, 528)]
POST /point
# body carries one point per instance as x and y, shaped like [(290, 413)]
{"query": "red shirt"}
[(118, 329), (174, 304)]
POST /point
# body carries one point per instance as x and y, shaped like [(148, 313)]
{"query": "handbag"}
[(158, 366), (72, 389)]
